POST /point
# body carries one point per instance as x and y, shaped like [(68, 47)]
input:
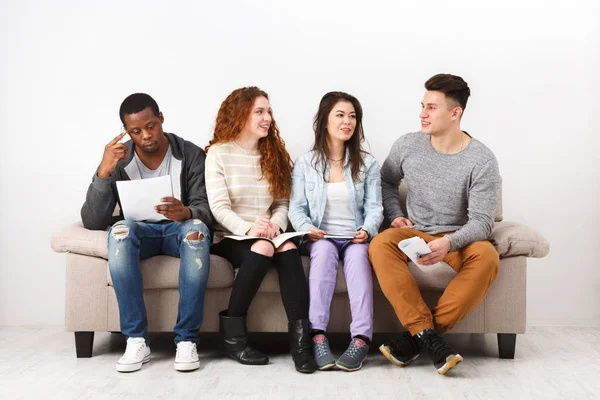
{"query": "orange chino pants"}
[(476, 266)]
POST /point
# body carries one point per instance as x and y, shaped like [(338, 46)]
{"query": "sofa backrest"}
[(403, 188)]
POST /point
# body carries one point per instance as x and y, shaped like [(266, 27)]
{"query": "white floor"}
[(550, 363)]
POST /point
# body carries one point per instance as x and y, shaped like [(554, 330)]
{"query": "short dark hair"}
[(134, 103), (453, 86)]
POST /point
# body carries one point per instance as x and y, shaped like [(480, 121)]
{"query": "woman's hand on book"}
[(263, 227), (273, 231), (360, 236), (315, 234)]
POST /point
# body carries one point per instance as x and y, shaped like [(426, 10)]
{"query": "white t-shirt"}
[(338, 218), (163, 169)]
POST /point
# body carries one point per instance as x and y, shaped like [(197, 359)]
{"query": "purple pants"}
[(324, 259)]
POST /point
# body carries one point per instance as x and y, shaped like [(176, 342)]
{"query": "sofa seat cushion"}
[(162, 272), (430, 278)]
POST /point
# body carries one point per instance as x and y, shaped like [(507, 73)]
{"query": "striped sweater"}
[(236, 193)]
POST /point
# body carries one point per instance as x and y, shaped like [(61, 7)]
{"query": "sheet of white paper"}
[(414, 247), (277, 241), (138, 197)]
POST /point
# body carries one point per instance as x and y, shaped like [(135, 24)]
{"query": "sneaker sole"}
[(350, 369), (388, 354), (189, 366), (132, 367), (451, 362), (326, 366)]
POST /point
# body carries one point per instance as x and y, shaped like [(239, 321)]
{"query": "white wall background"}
[(532, 66)]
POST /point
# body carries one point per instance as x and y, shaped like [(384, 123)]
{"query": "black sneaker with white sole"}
[(444, 357), (401, 351)]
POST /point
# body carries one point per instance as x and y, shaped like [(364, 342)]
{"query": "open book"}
[(348, 237), (277, 241), (414, 248)]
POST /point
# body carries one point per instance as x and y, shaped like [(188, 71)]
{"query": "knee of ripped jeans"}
[(195, 235), (195, 230), (119, 231)]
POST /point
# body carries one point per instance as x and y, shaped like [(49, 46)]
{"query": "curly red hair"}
[(275, 161)]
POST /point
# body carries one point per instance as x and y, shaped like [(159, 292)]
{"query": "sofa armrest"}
[(513, 239), (76, 239)]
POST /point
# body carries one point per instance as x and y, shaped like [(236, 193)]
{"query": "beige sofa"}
[(91, 305)]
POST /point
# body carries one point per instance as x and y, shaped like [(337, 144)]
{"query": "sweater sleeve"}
[(197, 198), (100, 201), (483, 199), (218, 196), (279, 211), (391, 175)]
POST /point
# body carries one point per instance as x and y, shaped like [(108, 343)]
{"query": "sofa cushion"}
[(433, 278), (512, 239), (162, 272), (76, 239)]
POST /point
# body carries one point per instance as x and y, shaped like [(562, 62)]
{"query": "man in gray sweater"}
[(183, 233), (453, 183)]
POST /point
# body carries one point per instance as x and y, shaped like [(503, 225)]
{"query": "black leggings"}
[(252, 269)]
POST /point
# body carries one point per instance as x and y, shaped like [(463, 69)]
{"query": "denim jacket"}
[(309, 194)]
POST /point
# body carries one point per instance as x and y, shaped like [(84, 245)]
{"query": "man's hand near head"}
[(113, 153)]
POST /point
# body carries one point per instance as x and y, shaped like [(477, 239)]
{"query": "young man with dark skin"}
[(453, 183), (184, 233)]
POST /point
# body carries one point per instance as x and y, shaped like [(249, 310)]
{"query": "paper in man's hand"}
[(414, 248), (138, 197)]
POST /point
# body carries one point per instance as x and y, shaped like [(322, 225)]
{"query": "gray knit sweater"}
[(446, 192)]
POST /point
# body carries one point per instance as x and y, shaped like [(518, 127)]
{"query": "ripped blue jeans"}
[(130, 241)]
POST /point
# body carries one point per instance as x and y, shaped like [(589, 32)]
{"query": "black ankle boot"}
[(234, 341), (301, 346)]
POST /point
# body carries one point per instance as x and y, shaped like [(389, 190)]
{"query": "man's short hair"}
[(453, 86), (134, 103)]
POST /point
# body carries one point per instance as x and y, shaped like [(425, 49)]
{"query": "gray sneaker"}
[(354, 355), (322, 352)]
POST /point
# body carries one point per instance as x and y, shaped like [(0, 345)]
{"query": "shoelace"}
[(353, 350), (322, 349), (437, 346), (188, 347), (404, 345), (133, 349)]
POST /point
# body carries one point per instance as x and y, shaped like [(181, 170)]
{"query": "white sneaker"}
[(136, 354), (186, 358)]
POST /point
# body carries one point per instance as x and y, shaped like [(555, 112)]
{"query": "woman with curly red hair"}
[(248, 182)]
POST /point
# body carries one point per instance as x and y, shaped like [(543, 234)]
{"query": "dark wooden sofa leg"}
[(84, 341), (506, 345)]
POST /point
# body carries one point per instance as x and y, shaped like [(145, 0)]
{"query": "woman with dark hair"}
[(336, 197), (248, 182)]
